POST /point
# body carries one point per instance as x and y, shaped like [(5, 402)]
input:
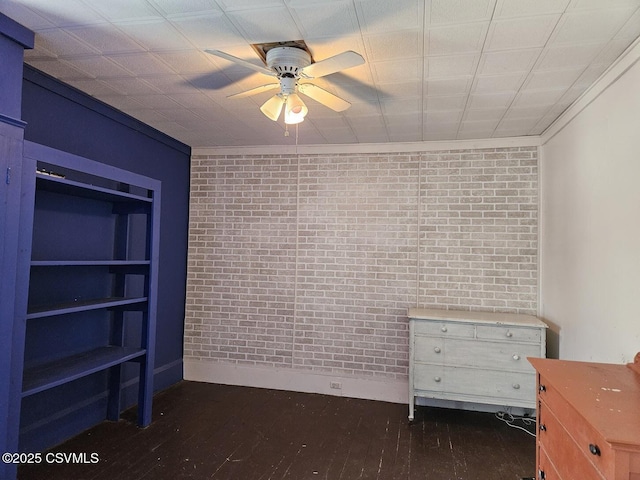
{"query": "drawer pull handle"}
[(444, 329), (541, 475), (516, 357), (594, 449), (437, 379), (437, 350), (516, 386), (509, 334), (543, 427), (542, 388)]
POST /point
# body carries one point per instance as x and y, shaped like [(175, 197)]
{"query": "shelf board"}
[(71, 187), (83, 306), (53, 374), (90, 263)]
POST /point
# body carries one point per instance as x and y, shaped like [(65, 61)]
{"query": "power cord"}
[(510, 420)]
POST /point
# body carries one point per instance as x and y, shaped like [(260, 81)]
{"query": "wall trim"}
[(306, 381), (623, 63), (408, 147)]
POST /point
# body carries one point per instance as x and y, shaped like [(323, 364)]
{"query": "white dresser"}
[(477, 357)]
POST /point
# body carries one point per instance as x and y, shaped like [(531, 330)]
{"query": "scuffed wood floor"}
[(205, 431)]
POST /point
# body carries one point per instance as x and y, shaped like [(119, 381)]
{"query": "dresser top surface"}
[(606, 395), (511, 319)]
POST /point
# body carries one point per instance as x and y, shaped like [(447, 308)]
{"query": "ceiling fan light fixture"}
[(295, 109), (272, 107)]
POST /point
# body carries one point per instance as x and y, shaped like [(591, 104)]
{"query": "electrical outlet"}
[(335, 385)]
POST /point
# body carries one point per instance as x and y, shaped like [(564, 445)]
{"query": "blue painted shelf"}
[(83, 306), (43, 377)]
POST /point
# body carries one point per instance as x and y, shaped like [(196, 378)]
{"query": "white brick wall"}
[(310, 262)]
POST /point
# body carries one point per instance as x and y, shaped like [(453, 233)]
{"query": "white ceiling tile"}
[(129, 86), (140, 63), (384, 16), (98, 67), (147, 115), (401, 106), (568, 56), (590, 26), (498, 83), (508, 61), (187, 61), (460, 11), (106, 40), (397, 71), (452, 65), (485, 115), (521, 124), (169, 84), (209, 31), (520, 33), (443, 117), (552, 79), (520, 8), (266, 25), (400, 90), (451, 39), (332, 19), (156, 101), (598, 4), (537, 97), (180, 8), (233, 5), (156, 35), (532, 111), (59, 42), (494, 100), (451, 102), (63, 14), (448, 86), (393, 46), (486, 126), (435, 127), (119, 10)]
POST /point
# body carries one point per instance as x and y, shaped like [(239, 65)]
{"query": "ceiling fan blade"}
[(322, 96), (239, 61), (333, 64), (255, 91), (272, 107)]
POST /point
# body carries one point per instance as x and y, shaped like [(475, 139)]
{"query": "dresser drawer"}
[(568, 456), (443, 329), (476, 353), (473, 382), (581, 434), (510, 333), (546, 469)]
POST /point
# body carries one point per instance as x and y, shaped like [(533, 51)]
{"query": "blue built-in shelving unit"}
[(93, 282)]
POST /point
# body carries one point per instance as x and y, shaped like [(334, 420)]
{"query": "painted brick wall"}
[(311, 261)]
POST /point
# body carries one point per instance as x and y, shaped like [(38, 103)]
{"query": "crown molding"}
[(623, 63), (368, 148)]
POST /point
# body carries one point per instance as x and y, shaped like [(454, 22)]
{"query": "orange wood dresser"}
[(588, 420)]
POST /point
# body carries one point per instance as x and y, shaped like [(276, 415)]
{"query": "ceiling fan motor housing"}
[(287, 62)]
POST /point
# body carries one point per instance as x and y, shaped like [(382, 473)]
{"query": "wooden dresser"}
[(477, 357), (588, 420)]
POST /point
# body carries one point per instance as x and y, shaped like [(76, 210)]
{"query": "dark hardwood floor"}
[(206, 431)]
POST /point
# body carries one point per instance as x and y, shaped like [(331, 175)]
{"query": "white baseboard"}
[(386, 390)]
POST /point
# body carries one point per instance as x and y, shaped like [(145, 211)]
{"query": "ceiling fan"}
[(292, 67)]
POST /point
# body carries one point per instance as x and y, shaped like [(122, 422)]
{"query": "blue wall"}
[(66, 119)]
